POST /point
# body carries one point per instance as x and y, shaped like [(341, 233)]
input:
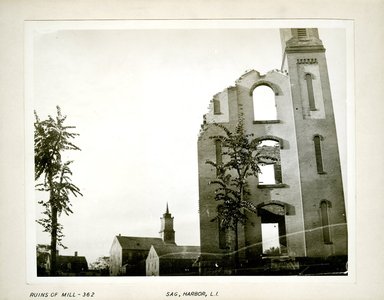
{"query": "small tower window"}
[(264, 105), (311, 97), (324, 211), (317, 139)]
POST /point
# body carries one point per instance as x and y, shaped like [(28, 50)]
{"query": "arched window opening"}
[(311, 97), (270, 172), (317, 139), (264, 105), (324, 210)]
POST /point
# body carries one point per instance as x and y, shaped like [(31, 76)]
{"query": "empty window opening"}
[(264, 105), (311, 97), (324, 208), (270, 172), (318, 153), (216, 107), (267, 174)]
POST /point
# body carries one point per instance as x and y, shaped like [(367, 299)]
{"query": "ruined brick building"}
[(300, 206)]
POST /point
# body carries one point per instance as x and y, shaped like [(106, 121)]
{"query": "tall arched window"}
[(311, 96), (270, 172), (324, 211), (317, 139), (264, 105)]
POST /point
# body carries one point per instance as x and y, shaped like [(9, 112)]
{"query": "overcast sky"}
[(137, 98)]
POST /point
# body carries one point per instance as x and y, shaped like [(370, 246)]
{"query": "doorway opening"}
[(270, 238), (273, 232)]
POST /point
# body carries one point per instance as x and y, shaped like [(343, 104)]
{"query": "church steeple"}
[(167, 233)]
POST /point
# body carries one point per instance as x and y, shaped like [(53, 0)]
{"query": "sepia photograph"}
[(211, 150), (187, 148)]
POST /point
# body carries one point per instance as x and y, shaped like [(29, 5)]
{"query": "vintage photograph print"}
[(187, 148)]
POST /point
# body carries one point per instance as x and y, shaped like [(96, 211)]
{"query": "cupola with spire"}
[(167, 233)]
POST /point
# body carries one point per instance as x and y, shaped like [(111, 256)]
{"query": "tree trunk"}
[(53, 271), (54, 242), (236, 264), (232, 260)]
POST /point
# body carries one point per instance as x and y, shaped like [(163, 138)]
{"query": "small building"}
[(68, 265), (172, 260), (128, 254)]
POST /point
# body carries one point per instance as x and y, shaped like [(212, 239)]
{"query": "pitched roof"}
[(177, 252), (138, 243), (71, 259)]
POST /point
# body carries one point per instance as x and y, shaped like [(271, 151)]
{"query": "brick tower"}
[(300, 204)]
